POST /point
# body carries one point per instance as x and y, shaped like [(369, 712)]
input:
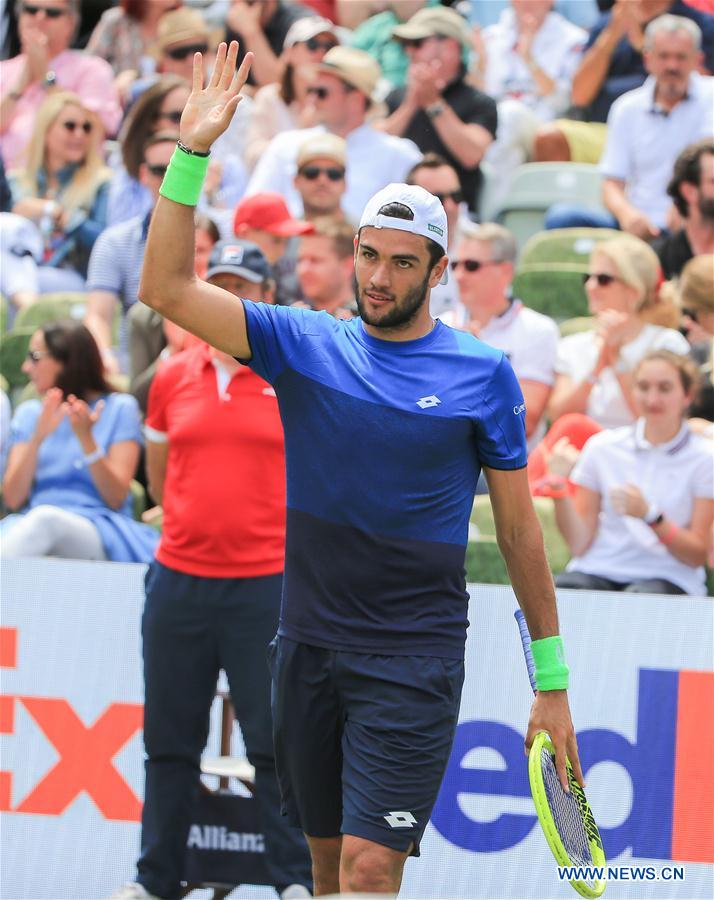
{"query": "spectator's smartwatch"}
[(50, 79), (436, 109), (653, 517)]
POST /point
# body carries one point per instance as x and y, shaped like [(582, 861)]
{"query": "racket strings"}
[(566, 814)]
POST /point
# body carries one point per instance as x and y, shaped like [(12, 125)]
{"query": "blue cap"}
[(242, 258)]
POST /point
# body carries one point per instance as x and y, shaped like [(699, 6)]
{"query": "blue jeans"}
[(570, 215), (192, 627)]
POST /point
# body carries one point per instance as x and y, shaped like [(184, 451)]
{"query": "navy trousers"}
[(193, 627)]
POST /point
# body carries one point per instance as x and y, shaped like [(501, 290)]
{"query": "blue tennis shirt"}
[(384, 444)]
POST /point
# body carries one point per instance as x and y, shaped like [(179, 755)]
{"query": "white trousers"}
[(52, 531)]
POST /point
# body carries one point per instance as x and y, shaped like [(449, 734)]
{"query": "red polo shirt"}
[(224, 493)]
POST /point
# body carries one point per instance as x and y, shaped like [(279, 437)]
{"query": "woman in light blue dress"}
[(73, 454)]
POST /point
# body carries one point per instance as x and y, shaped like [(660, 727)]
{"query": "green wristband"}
[(551, 671), (183, 181)]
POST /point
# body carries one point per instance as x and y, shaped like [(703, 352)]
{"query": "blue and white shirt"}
[(384, 445)]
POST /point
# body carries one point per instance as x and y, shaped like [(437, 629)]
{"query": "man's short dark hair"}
[(400, 211), (688, 170), (428, 161)]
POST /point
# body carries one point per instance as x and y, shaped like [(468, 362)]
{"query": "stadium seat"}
[(13, 350), (537, 186), (549, 276), (484, 549), (574, 326), (138, 499), (3, 314), (51, 307)]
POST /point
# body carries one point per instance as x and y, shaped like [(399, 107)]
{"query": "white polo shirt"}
[(669, 475), (577, 356), (528, 338), (374, 160), (643, 141)]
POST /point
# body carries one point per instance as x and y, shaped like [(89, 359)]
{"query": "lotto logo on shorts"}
[(400, 820)]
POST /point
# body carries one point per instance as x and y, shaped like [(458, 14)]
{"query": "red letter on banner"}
[(8, 660), (85, 762)]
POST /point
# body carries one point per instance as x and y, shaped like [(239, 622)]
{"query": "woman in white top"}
[(594, 368), (640, 519)]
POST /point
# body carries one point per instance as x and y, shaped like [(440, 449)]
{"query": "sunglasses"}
[(416, 43), (457, 196), (602, 278), (52, 12), (184, 52), (158, 171), (34, 356), (314, 172), (690, 314), (473, 265), (314, 44), (73, 126), (173, 115), (320, 92)]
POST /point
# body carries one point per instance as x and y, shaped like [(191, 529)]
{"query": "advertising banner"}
[(642, 696)]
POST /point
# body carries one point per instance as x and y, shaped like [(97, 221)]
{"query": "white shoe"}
[(295, 892), (133, 891)]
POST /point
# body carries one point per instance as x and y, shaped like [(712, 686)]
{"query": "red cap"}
[(269, 212)]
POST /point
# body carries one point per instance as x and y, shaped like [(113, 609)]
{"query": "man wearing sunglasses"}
[(320, 176), (46, 29), (180, 34), (342, 96), (437, 109), (483, 266)]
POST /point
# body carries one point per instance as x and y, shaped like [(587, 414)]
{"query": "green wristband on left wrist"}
[(551, 670)]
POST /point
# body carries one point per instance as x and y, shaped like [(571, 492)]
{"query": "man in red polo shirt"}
[(215, 461)]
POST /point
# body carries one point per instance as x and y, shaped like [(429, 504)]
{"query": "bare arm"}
[(691, 545), (569, 396), (168, 283), (520, 541), (592, 71), (629, 217), (157, 457), (20, 474), (466, 141), (245, 21), (577, 518), (100, 316)]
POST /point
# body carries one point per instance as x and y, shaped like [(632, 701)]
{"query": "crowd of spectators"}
[(344, 98)]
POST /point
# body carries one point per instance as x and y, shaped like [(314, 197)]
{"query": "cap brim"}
[(412, 32), (248, 274), (289, 228)]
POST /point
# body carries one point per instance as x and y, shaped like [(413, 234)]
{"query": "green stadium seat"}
[(549, 276), (13, 350), (482, 516), (138, 499), (51, 307), (3, 314), (537, 186)]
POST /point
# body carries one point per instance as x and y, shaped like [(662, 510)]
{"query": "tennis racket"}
[(566, 819)]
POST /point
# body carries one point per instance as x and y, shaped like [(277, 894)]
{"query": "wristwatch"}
[(50, 79), (654, 516), (435, 109)]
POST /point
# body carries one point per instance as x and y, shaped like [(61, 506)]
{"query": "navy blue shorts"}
[(362, 740)]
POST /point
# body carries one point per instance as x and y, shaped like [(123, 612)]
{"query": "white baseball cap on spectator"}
[(428, 217), (309, 27)]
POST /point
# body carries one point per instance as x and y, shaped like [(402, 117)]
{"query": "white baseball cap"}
[(428, 214)]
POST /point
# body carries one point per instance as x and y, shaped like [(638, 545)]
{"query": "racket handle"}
[(526, 641)]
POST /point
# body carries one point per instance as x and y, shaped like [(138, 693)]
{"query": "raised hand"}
[(209, 110), (53, 411), (81, 417)]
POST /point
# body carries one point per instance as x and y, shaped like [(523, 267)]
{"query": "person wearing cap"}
[(261, 26), (389, 418), (215, 462), (47, 63), (320, 176), (437, 108), (285, 104), (179, 34), (342, 96)]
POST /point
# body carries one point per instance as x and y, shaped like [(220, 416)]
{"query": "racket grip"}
[(526, 642)]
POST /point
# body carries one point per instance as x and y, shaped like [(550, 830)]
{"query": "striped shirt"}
[(115, 267)]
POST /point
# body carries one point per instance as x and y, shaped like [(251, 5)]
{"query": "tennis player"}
[(388, 420)]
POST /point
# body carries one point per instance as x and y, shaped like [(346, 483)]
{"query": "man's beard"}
[(402, 313), (706, 209)]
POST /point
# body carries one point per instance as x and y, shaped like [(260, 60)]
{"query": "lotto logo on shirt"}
[(669, 764)]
